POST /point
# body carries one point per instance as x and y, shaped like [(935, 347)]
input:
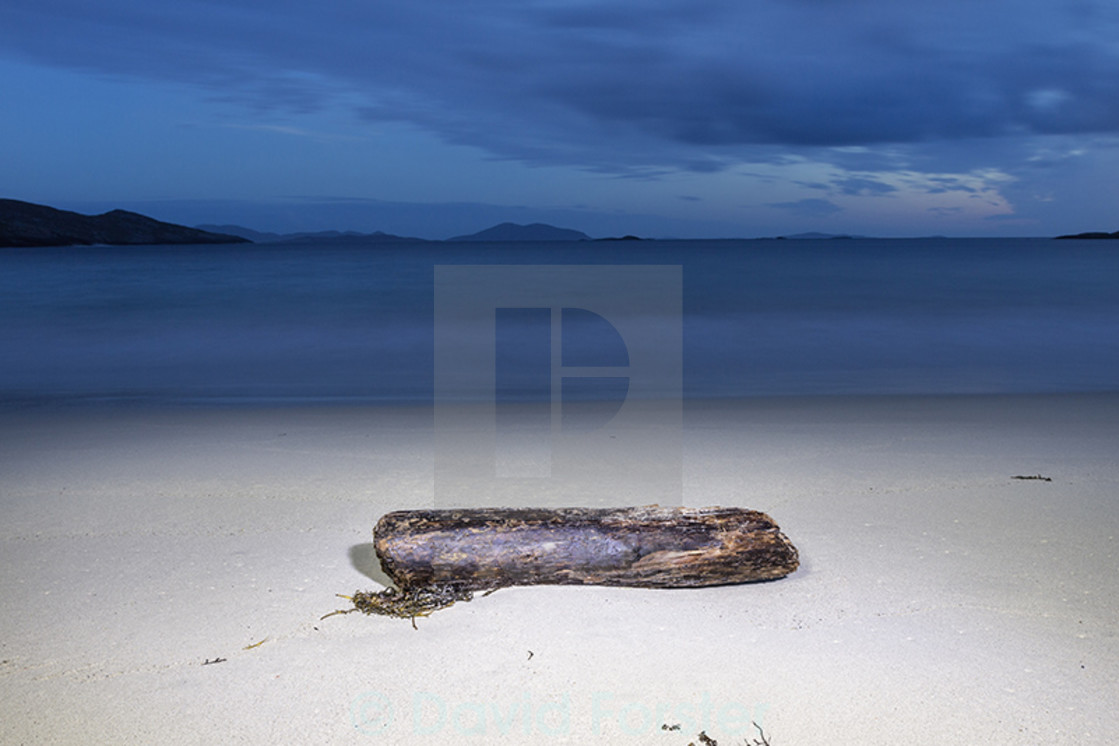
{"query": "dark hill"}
[(534, 232), (1093, 235), (27, 224)]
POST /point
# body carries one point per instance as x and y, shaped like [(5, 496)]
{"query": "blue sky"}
[(690, 118)]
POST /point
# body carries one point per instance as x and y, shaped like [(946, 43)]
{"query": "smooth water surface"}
[(771, 317)]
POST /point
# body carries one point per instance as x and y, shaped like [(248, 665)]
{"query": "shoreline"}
[(165, 570)]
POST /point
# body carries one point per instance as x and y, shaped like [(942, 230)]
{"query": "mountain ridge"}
[(26, 224), (1092, 235), (531, 232), (334, 237)]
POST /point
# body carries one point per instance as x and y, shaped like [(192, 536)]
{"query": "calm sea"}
[(760, 318)]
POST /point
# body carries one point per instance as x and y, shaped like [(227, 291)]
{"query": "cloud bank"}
[(619, 86)]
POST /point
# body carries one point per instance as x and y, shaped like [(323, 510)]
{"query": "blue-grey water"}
[(252, 323)]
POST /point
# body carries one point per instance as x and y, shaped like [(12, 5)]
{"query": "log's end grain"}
[(649, 546)]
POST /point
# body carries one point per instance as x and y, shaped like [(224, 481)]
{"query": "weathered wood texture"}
[(649, 547)]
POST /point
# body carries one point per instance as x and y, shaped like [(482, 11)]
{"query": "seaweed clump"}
[(405, 604), (706, 740)]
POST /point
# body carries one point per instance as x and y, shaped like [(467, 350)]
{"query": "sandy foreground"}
[(163, 574)]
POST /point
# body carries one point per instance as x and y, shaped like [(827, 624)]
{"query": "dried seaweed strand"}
[(405, 604)]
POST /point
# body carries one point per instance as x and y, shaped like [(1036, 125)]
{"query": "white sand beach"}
[(164, 571)]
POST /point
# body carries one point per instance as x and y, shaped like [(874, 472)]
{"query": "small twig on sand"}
[(706, 740), (764, 741), (1035, 477)]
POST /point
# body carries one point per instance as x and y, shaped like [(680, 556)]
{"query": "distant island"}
[(533, 232), (331, 237), (814, 236), (24, 224), (1092, 235), (498, 233)]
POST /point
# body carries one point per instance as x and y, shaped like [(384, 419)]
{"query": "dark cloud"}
[(620, 85)]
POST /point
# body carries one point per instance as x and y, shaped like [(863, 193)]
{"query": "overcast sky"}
[(691, 118)]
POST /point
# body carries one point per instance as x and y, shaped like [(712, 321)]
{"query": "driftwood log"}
[(437, 557)]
